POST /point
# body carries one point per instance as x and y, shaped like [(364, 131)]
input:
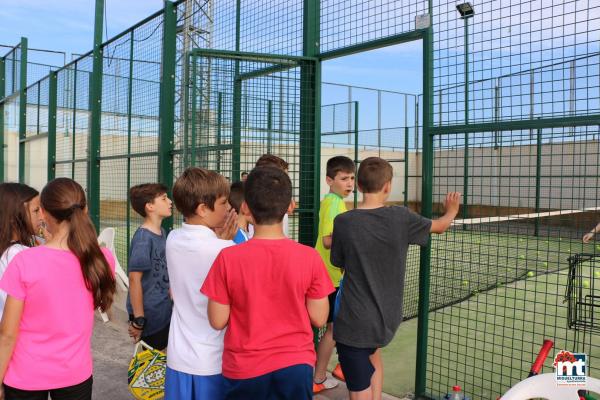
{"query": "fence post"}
[(538, 178), (310, 126), (269, 126), (426, 211), (167, 102), (2, 94), (52, 94), (356, 155), (236, 132), (22, 107), (129, 111), (93, 184)]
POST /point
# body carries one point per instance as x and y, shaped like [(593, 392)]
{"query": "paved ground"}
[(112, 353)]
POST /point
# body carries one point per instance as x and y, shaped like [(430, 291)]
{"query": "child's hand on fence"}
[(229, 228), (588, 237), (452, 203)]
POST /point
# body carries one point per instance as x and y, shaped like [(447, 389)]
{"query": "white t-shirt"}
[(5, 259), (194, 346), (286, 227)]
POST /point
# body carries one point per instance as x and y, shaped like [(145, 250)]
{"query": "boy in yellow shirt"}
[(340, 178)]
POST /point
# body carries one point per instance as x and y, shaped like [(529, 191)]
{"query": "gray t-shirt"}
[(371, 246), (147, 255)]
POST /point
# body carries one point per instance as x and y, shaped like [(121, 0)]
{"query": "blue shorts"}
[(291, 383), (182, 386), (356, 366)]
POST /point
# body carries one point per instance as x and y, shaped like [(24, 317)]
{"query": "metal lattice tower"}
[(194, 30)]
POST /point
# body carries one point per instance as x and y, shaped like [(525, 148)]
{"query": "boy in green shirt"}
[(340, 178)]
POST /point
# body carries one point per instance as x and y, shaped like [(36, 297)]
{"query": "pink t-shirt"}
[(266, 283), (53, 349)]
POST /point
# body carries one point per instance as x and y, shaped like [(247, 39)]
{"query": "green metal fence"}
[(509, 116)]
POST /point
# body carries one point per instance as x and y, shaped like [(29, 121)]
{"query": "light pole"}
[(466, 11)]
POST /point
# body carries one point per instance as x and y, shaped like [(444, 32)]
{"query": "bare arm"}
[(136, 295), (451, 204), (327, 242), (590, 235), (9, 330), (318, 310), (218, 314)]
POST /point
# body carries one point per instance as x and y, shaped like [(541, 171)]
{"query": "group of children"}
[(244, 296), (228, 295)]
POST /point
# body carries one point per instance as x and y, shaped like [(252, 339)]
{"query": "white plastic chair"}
[(544, 386), (107, 239)]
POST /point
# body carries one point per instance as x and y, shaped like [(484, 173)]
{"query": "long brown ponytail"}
[(64, 200)]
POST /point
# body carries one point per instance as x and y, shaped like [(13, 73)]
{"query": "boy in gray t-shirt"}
[(371, 243), (149, 302)]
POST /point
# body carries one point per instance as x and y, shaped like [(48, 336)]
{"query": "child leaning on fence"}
[(53, 291), (148, 302), (195, 348), (371, 244)]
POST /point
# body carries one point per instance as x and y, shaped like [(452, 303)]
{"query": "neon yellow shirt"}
[(331, 206)]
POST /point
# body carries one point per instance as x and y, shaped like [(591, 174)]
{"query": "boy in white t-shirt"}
[(195, 349)]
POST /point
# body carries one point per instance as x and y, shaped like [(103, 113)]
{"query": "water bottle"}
[(456, 394)]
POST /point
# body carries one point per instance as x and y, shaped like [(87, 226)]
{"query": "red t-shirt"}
[(266, 283)]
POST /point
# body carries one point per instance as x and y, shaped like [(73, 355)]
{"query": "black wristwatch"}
[(137, 322)]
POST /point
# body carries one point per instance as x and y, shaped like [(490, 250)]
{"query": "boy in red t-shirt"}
[(267, 292)]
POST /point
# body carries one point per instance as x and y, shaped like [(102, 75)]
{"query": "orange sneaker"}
[(337, 372), (328, 383)]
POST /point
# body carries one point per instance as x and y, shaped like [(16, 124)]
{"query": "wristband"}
[(137, 322)]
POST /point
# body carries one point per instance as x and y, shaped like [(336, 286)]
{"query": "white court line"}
[(516, 217)]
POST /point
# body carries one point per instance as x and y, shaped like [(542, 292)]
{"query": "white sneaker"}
[(328, 383)]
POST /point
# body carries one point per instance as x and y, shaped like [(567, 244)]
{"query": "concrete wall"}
[(503, 177)]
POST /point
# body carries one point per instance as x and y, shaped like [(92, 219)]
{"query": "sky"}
[(67, 25)]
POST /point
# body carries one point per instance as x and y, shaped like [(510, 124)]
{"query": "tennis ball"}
[(530, 274), (522, 257), (465, 283), (521, 240), (545, 264), (598, 246), (586, 284), (596, 274)]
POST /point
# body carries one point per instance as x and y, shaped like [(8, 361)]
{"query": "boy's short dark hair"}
[(268, 193), (339, 164), (198, 186), (140, 195), (269, 160), (236, 195), (373, 174)]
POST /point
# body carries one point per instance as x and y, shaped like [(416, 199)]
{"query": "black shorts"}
[(331, 298), (356, 366), (81, 391), (158, 340)]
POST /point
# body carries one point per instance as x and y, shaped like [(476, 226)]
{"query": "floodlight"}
[(465, 10)]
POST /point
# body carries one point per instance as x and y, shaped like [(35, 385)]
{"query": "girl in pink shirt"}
[(53, 290), (19, 222)]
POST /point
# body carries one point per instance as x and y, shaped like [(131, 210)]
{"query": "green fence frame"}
[(309, 49)]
